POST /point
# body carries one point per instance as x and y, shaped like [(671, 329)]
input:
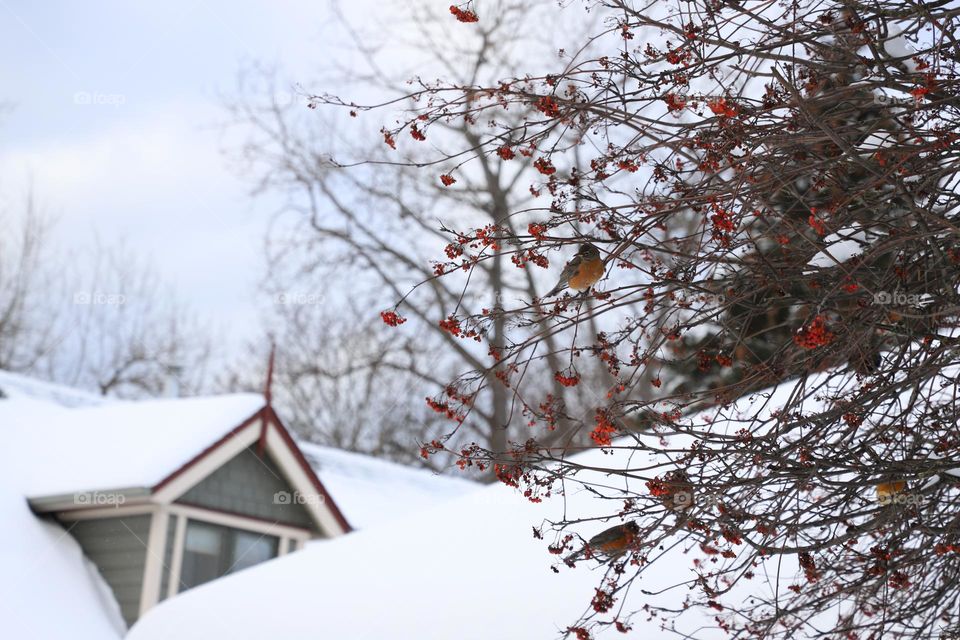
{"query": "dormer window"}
[(223, 488), (211, 551)]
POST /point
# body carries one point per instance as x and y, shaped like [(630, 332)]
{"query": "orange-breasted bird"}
[(611, 543), (886, 491), (583, 270)]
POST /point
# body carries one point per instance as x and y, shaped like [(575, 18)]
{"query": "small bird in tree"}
[(646, 421), (866, 362), (887, 490), (610, 543), (583, 270), (678, 491)]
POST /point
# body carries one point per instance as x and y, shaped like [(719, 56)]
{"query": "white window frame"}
[(289, 538)]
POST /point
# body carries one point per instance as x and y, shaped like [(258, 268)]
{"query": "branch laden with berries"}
[(359, 213), (772, 191)]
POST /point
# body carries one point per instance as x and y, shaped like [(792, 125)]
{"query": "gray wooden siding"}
[(118, 547), (247, 485), (167, 557)]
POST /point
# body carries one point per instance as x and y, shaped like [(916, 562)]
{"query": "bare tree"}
[(98, 319), (28, 328), (361, 236), (129, 334)]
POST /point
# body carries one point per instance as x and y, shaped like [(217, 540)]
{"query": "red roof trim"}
[(203, 454), (311, 474), (266, 414)]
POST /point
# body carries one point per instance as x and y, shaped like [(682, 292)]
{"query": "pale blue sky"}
[(141, 160)]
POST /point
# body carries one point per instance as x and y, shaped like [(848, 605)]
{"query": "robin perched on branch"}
[(583, 270), (611, 543), (678, 493), (887, 490)]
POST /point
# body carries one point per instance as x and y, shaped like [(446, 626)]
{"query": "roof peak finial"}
[(268, 385)]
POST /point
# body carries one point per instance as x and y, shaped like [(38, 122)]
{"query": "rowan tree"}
[(361, 228), (773, 188)]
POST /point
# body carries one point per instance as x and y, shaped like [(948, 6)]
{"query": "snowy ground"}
[(370, 492), (467, 569), (470, 569), (434, 557)]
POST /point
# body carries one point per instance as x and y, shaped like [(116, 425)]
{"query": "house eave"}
[(264, 426), (84, 500)]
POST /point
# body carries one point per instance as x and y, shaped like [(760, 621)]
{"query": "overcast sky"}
[(116, 114)]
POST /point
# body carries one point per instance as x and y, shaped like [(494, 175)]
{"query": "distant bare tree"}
[(130, 336), (28, 329), (361, 236), (339, 381), (97, 319)]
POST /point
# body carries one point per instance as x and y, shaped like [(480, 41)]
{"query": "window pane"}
[(202, 554), (203, 539), (252, 548), (211, 551)]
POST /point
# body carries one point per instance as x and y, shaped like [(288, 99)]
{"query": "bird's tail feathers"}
[(557, 289)]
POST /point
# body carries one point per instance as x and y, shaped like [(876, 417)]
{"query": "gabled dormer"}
[(165, 495)]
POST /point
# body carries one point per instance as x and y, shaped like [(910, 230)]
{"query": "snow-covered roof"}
[(60, 440), (370, 491), (73, 441), (469, 568), (51, 590), (15, 385), (120, 444)]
